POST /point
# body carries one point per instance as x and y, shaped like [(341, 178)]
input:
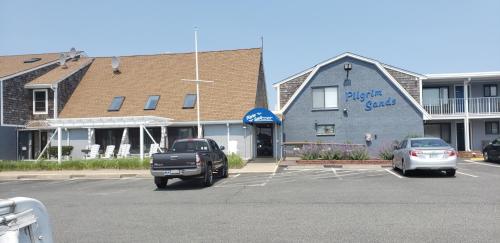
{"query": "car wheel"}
[(161, 182), (403, 168), (223, 171), (450, 173), (208, 178), (486, 156)]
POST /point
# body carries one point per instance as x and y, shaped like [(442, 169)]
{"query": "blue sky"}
[(421, 36)]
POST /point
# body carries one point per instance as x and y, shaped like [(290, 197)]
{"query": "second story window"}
[(490, 90), (116, 104), (435, 96), (40, 102), (325, 98), (152, 102)]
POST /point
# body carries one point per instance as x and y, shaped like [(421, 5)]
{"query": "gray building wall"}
[(244, 143), (8, 148), (77, 139), (386, 123), (479, 138)]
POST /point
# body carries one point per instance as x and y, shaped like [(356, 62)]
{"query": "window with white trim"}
[(325, 97), (40, 101), (325, 129), (492, 127), (490, 90)]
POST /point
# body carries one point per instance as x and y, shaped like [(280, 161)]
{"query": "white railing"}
[(456, 106)]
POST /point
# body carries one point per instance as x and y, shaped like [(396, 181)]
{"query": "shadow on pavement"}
[(187, 184), (424, 174)]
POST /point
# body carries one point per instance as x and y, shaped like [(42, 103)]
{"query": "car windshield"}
[(189, 146), (424, 143)]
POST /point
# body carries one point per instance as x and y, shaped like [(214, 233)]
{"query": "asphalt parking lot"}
[(291, 205)]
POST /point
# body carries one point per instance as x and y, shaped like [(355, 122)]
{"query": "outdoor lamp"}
[(347, 68)]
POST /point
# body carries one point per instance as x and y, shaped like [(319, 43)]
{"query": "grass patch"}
[(235, 161), (94, 164)]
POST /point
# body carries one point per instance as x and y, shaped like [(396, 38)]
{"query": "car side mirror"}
[(222, 147)]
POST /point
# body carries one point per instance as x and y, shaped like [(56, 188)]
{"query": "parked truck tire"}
[(223, 172), (161, 182), (208, 177)]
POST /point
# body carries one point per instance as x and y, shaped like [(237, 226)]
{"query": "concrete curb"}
[(90, 175)]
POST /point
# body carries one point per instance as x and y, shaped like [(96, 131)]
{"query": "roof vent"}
[(72, 52), (62, 60), (32, 60), (115, 64)]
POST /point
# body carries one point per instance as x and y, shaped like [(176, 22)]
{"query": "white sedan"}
[(425, 154)]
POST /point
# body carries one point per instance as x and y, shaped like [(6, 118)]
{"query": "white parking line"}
[(394, 173), (335, 173), (481, 163), (467, 174)]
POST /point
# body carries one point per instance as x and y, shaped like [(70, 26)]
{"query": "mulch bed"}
[(346, 162)]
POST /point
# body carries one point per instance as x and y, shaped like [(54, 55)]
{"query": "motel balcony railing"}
[(456, 106)]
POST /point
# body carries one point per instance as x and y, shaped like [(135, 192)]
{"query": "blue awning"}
[(260, 115)]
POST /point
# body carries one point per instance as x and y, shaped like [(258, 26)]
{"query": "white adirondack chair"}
[(153, 149), (110, 152), (94, 151), (123, 151)]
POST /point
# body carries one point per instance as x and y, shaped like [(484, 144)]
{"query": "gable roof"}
[(234, 72), (11, 65), (59, 73), (368, 60)]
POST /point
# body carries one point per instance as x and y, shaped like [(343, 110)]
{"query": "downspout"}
[(54, 88), (1, 102), (227, 124)]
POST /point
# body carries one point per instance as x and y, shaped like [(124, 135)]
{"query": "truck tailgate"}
[(174, 160)]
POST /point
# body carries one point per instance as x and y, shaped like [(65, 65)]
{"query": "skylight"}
[(32, 60), (152, 102), (189, 101), (116, 104)]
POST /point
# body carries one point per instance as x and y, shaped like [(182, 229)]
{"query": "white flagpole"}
[(197, 83)]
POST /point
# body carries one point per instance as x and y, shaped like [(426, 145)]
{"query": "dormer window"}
[(189, 101), (152, 102), (116, 103), (40, 101)]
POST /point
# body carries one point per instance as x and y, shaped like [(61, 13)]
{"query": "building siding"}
[(66, 87), (18, 105), (409, 82), (385, 124), (8, 143), (288, 88)]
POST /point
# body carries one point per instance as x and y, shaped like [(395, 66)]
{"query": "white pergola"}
[(106, 122)]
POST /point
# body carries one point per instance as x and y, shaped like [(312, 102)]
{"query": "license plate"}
[(172, 172), (435, 155)]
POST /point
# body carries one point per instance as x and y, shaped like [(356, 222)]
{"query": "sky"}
[(420, 36)]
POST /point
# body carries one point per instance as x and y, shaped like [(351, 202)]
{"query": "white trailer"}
[(24, 220)]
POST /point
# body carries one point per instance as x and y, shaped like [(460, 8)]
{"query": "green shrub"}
[(94, 164), (331, 155), (386, 154), (310, 152), (66, 151), (235, 161), (359, 154)]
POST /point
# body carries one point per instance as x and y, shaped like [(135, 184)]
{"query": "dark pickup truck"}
[(190, 158)]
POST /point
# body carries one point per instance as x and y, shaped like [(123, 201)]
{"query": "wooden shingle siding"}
[(288, 88), (18, 105), (410, 83)]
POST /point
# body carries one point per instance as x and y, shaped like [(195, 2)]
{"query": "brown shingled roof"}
[(233, 93), (14, 64), (59, 73)]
